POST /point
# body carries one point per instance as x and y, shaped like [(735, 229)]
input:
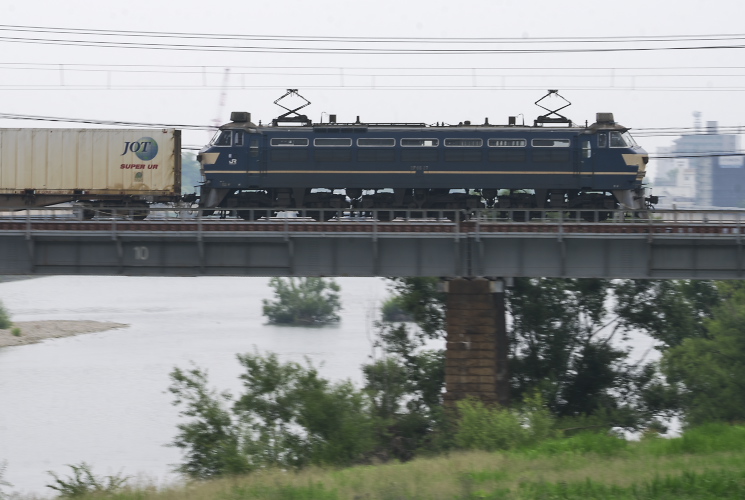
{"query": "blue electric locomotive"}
[(296, 164)]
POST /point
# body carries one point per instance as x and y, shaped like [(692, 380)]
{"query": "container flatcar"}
[(119, 168)]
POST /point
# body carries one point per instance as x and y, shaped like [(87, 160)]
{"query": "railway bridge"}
[(476, 257)]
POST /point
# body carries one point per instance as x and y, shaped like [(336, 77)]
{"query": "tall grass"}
[(705, 463)]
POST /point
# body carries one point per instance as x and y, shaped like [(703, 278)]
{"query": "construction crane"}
[(221, 103)]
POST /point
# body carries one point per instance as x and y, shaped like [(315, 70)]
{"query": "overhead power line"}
[(359, 45), (637, 132), (373, 39)]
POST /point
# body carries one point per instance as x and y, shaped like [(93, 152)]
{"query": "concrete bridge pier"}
[(476, 349)]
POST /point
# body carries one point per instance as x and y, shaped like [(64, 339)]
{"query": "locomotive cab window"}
[(617, 140), (238, 138), (550, 143), (421, 143), (602, 140), (289, 141), (223, 138), (621, 140)]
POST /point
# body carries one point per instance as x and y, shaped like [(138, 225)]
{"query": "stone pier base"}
[(476, 352)]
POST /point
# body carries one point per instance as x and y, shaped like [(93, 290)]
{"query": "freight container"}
[(93, 167)]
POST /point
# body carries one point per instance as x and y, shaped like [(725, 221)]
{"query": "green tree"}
[(405, 385), (566, 342), (670, 311), (213, 440), (566, 345), (708, 371), (3, 482), (83, 482), (407, 380), (303, 301), (5, 322), (287, 416)]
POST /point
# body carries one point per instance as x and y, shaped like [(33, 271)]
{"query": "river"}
[(101, 398)]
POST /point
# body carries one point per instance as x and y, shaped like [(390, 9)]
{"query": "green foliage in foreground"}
[(5, 322), (303, 301), (585, 467), (287, 416), (83, 482), (480, 427)]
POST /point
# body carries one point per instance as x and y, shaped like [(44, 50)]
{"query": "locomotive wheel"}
[(140, 214), (590, 216), (384, 216), (252, 214), (520, 215)]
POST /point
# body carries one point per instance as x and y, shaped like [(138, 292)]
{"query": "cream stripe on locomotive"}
[(410, 172)]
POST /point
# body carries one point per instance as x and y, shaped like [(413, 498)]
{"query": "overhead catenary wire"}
[(638, 132), (312, 44)]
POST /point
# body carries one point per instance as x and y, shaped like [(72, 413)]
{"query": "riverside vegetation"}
[(705, 463), (292, 434)]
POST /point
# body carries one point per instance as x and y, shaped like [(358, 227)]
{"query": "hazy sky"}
[(570, 46)]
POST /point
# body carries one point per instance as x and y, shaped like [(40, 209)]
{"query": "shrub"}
[(708, 438), (5, 322), (492, 428), (15, 331), (287, 417), (83, 482), (600, 443), (3, 482), (303, 301), (393, 310)]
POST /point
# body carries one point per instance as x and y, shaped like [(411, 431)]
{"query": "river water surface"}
[(101, 398)]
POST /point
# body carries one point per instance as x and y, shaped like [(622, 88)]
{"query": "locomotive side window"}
[(326, 142), (374, 142), (507, 143), (224, 138), (586, 151), (464, 143), (550, 143), (422, 143), (602, 140), (238, 138), (289, 141), (254, 147)]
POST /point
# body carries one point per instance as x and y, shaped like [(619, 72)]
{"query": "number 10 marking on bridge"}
[(141, 253)]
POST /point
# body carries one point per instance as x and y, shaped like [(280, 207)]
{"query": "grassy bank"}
[(706, 463)]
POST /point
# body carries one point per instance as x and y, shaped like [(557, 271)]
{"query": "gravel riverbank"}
[(37, 331)]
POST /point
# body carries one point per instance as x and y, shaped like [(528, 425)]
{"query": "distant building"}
[(703, 169)]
